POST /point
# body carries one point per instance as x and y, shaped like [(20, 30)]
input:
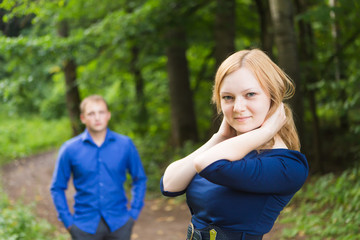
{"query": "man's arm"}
[(138, 176), (61, 176)]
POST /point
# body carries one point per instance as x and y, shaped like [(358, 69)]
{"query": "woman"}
[(237, 183)]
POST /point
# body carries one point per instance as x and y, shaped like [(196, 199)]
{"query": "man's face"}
[(95, 116)]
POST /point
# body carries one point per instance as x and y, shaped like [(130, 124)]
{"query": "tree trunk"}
[(72, 91), (14, 26), (285, 40), (142, 113), (335, 32), (224, 32), (266, 32), (307, 57), (183, 120)]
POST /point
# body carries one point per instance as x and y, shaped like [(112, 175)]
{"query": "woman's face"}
[(243, 102)]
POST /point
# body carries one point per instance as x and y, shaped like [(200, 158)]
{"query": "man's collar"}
[(110, 136), (85, 136)]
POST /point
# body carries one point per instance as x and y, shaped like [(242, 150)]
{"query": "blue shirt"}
[(245, 195), (98, 176)]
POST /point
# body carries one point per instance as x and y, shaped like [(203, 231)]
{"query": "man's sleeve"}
[(61, 176), (138, 176)]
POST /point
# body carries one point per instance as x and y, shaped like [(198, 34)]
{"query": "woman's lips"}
[(242, 119)]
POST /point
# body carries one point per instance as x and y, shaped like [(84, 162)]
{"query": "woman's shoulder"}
[(284, 154), (281, 152)]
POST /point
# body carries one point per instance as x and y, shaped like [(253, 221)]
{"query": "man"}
[(98, 160)]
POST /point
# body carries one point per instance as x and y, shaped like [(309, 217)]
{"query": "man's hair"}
[(91, 98)]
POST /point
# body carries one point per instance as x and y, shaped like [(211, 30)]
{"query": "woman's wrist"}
[(218, 137), (266, 133)]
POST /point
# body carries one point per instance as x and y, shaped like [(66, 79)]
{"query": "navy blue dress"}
[(245, 195)]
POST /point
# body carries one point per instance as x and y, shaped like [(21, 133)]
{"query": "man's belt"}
[(216, 233)]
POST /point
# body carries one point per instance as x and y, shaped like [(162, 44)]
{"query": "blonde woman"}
[(237, 183)]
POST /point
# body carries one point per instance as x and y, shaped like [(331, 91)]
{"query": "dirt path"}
[(29, 179)]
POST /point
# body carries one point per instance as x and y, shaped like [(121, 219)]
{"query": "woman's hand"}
[(225, 130), (276, 121)]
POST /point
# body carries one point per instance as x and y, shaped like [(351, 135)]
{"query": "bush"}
[(17, 222), (156, 155), (327, 208)]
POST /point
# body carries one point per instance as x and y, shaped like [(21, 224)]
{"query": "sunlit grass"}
[(22, 137), (17, 221), (327, 207)]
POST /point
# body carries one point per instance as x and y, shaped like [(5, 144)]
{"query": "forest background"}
[(154, 61)]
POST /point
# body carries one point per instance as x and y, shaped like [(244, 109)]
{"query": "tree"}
[(282, 14), (224, 35), (183, 120), (224, 30), (266, 31), (72, 91), (308, 60), (338, 74)]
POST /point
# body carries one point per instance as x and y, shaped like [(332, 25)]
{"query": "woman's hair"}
[(272, 79), (91, 98)]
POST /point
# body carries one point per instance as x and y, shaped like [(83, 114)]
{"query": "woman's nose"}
[(239, 105)]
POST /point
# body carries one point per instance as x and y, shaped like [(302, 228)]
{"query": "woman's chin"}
[(242, 131)]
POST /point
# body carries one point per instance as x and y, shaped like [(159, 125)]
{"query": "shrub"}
[(327, 208), (17, 222)]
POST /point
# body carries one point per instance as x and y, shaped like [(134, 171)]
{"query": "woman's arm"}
[(237, 147), (222, 145), (270, 172), (179, 174)]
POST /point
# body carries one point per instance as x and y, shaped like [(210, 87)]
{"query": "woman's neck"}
[(279, 143)]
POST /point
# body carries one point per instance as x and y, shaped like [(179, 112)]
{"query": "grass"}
[(22, 137), (327, 207), (18, 222)]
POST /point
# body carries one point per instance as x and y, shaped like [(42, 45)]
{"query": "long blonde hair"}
[(272, 79)]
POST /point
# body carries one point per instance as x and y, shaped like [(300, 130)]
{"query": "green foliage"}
[(326, 208), (23, 136), (102, 39), (17, 222), (156, 155)]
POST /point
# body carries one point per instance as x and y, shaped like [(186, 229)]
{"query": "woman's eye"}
[(250, 94), (226, 98)]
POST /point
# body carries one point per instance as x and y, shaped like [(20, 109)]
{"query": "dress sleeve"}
[(276, 174), (169, 194)]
